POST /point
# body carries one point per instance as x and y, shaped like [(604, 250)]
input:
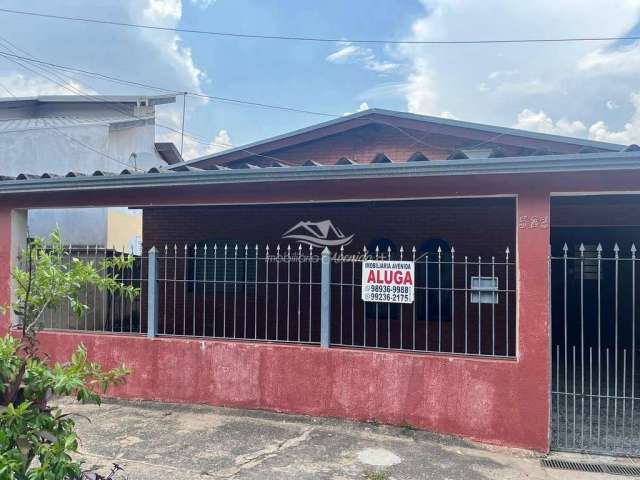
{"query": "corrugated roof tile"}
[(418, 157), (381, 158), (346, 161)]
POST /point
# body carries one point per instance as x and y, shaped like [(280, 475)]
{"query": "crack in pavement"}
[(251, 460), (243, 462)]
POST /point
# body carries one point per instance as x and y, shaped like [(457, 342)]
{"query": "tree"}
[(37, 439)]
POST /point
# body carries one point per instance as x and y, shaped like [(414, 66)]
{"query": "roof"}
[(155, 177), (125, 99), (53, 122), (375, 115)]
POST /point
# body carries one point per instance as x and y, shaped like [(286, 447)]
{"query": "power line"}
[(79, 142), (77, 91), (320, 39), (166, 90), (195, 138), (182, 132)]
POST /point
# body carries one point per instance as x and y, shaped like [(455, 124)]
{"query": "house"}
[(60, 134), (383, 266)]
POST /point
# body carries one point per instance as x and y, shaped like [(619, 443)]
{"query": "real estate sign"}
[(388, 281)]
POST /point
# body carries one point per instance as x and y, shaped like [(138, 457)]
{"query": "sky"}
[(583, 89)]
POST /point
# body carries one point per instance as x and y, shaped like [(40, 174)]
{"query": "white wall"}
[(80, 148)]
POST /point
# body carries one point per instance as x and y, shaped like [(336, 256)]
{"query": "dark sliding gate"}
[(595, 386)]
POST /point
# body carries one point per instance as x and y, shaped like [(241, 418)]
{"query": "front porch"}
[(247, 329)]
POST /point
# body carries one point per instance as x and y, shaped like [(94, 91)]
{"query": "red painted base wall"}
[(486, 400)]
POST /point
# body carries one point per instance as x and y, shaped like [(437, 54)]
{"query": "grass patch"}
[(376, 476)]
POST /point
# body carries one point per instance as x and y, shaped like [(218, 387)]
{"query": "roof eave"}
[(501, 166)]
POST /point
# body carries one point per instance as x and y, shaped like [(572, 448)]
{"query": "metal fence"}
[(461, 305), (239, 292), (107, 312), (301, 294), (595, 387)]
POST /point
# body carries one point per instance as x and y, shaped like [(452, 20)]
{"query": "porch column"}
[(533, 238), (13, 237)]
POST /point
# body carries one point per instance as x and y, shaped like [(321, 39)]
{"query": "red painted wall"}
[(498, 401), (494, 401)]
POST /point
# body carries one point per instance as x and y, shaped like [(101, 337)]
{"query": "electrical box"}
[(484, 290)]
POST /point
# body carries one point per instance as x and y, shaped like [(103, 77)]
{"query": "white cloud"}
[(146, 56), (541, 122), (222, 141), (630, 132), (512, 77), (611, 105), (361, 108), (599, 130), (344, 54), (612, 61), (22, 85), (167, 13), (449, 115), (354, 54), (419, 90)]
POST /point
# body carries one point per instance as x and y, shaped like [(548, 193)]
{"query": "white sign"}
[(388, 281)]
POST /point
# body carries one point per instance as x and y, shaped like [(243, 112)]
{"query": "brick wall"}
[(361, 144), (475, 227)]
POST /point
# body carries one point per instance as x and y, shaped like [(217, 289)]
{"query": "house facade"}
[(389, 267), (61, 134)]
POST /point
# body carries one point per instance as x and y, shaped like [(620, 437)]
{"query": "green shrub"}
[(37, 439)]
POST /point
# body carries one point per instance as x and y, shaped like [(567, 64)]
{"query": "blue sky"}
[(582, 89)]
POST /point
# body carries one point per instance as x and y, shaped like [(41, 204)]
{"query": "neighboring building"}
[(522, 326), (359, 137), (60, 134)]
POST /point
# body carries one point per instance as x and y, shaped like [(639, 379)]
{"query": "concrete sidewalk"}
[(158, 440)]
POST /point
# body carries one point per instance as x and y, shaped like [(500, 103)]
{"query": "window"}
[(234, 269)]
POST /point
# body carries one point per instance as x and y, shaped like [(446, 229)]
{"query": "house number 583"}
[(533, 221)]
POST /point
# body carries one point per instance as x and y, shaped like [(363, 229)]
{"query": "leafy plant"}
[(36, 439)]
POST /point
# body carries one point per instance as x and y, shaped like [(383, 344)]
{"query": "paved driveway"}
[(158, 440)]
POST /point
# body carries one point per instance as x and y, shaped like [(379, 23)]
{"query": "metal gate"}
[(595, 389)]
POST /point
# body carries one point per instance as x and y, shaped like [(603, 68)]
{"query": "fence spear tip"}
[(581, 248), (565, 248), (633, 248)]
